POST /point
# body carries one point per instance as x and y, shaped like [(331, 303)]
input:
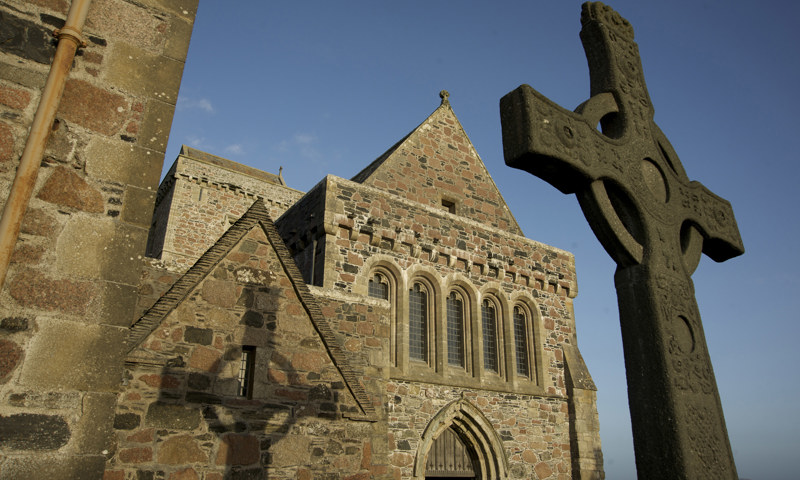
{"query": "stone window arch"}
[(521, 326), (524, 312), (382, 283), (491, 316), (416, 326), (421, 321), (457, 328), (378, 285), (475, 431)]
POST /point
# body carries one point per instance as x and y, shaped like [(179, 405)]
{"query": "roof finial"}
[(444, 95)]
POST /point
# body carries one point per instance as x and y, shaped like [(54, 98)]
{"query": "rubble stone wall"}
[(180, 413), (534, 431), (437, 163), (201, 197), (71, 288)]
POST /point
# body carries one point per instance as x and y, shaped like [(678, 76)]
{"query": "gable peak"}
[(437, 165)]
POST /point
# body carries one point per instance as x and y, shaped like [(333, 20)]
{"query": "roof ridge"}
[(150, 320), (319, 321), (365, 173)]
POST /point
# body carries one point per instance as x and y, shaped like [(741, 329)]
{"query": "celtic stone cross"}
[(655, 224)]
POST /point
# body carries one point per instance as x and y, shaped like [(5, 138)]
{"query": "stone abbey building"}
[(394, 325)]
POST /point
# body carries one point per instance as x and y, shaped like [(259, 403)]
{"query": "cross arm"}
[(551, 142), (713, 216)]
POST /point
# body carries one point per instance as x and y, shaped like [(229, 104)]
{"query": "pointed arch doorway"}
[(475, 449)]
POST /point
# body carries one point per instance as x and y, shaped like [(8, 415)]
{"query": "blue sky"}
[(326, 87)]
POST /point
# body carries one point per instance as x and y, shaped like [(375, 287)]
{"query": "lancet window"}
[(439, 332), (521, 341), (379, 286), (418, 318), (489, 328), (455, 329)]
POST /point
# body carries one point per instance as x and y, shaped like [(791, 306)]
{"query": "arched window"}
[(455, 329), (379, 286), (521, 341), (489, 328), (382, 283), (418, 318)]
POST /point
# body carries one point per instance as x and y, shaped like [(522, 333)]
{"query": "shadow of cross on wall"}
[(182, 414), (246, 429), (204, 412)]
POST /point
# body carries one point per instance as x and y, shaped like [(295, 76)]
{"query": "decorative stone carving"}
[(654, 222)]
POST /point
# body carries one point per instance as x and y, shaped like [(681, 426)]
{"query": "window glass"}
[(521, 341), (455, 330), (489, 321), (379, 287), (246, 367), (418, 323)]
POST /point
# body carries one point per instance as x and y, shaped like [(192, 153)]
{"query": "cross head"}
[(655, 223)]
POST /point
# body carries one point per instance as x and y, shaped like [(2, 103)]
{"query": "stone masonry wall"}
[(414, 233), (156, 279), (438, 162), (161, 216), (201, 196), (587, 456), (534, 430), (180, 416), (71, 288), (305, 224), (364, 226)]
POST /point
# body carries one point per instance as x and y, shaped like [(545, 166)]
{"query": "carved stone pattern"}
[(658, 200), (691, 370), (706, 443), (708, 209), (631, 82), (670, 256), (608, 16)]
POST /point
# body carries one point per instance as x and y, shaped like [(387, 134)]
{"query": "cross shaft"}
[(654, 222)]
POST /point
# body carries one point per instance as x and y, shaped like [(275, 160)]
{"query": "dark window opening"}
[(317, 262), (455, 330), (521, 341), (489, 320), (418, 323), (449, 205), (246, 371)]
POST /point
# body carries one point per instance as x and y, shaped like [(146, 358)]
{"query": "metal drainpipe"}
[(69, 39)]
